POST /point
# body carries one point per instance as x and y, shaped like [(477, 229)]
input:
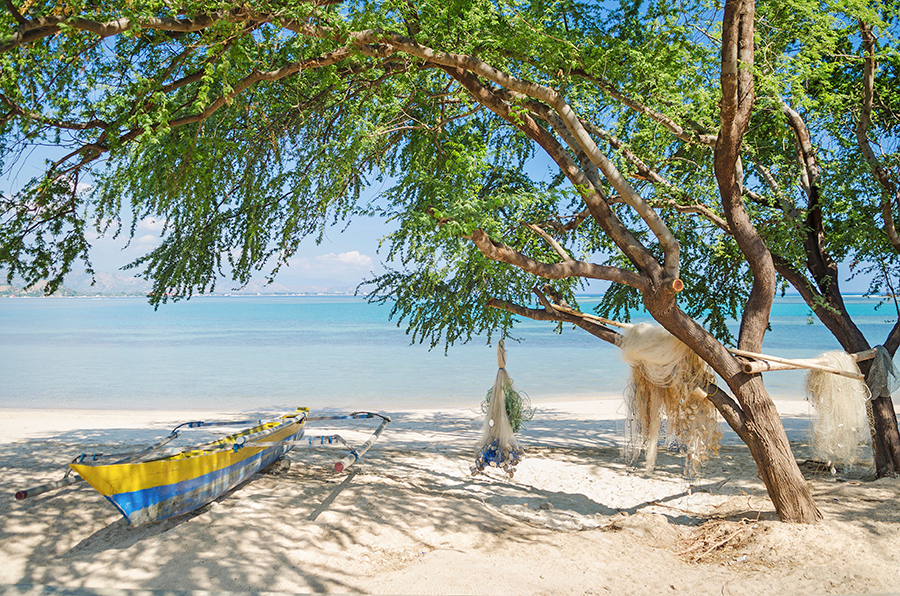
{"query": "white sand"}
[(409, 518)]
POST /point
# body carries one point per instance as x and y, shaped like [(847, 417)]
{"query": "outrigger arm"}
[(354, 454)]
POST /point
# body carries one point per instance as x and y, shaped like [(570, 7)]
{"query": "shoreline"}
[(23, 423)]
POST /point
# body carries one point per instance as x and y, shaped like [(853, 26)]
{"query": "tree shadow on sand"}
[(310, 529)]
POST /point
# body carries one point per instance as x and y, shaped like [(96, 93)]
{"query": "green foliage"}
[(240, 167), (518, 406)]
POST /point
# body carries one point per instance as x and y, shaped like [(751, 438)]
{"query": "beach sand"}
[(409, 518)]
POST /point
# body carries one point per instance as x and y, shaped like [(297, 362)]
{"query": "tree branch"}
[(735, 109), (505, 254), (552, 98), (841, 326), (549, 314), (645, 171), (551, 241), (695, 137), (730, 410), (15, 13), (41, 27), (820, 264), (892, 193), (599, 208), (16, 110)]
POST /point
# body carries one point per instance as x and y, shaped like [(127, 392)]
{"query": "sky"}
[(347, 255)]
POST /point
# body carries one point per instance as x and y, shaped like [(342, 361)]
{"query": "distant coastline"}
[(110, 285), (119, 285)]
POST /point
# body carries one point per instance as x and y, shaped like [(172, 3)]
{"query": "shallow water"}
[(239, 353)]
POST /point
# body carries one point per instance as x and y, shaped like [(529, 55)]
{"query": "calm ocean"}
[(242, 353)]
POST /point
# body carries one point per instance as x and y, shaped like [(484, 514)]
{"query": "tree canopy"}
[(694, 157)]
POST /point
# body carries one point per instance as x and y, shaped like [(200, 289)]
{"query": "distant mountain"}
[(121, 284), (36, 291), (108, 284), (259, 286)]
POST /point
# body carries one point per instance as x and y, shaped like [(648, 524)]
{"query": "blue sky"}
[(347, 255)]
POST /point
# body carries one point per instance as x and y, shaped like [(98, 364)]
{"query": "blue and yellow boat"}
[(146, 488)]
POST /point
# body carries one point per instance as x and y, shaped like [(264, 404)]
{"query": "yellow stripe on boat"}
[(121, 478), (157, 489)]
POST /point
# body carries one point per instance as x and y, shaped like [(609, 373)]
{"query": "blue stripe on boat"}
[(165, 501)]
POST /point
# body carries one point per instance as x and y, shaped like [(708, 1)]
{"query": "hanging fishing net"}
[(841, 427), (883, 378), (665, 380), (506, 410)]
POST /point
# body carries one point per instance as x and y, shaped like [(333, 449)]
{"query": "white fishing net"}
[(665, 380), (841, 427), (498, 446)]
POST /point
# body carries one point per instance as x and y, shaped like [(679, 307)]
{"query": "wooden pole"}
[(758, 363), (788, 364), (595, 318)]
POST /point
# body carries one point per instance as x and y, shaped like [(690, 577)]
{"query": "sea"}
[(242, 353)]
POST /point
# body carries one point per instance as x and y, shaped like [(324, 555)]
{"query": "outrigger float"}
[(147, 487)]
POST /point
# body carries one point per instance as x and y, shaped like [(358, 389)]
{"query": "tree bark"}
[(829, 307), (765, 434), (759, 424)]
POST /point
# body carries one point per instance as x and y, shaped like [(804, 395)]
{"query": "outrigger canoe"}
[(146, 487)]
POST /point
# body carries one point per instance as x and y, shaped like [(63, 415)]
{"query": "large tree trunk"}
[(754, 418), (761, 425), (829, 307), (771, 451)]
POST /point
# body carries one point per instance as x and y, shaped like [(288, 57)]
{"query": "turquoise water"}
[(239, 353)]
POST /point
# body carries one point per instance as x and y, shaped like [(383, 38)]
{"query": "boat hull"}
[(150, 491)]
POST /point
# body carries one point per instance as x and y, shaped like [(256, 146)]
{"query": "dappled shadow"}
[(310, 529)]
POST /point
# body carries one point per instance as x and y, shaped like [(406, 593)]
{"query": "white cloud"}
[(151, 224), (145, 241), (352, 260), (351, 263)]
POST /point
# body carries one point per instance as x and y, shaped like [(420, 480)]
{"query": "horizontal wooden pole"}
[(777, 363), (594, 318)]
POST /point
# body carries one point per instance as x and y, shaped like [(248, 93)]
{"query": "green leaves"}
[(184, 127)]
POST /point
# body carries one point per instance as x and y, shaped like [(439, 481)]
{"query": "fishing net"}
[(506, 411), (665, 380), (842, 425), (883, 378), (518, 406)]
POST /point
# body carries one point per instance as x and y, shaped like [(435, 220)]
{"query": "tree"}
[(247, 129)]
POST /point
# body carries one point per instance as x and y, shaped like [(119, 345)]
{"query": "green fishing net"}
[(518, 406)]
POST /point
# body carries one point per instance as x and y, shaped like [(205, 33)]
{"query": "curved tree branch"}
[(696, 137), (599, 208), (892, 192), (505, 254), (552, 98), (820, 264), (735, 109), (645, 171), (38, 28), (551, 241), (549, 314)]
